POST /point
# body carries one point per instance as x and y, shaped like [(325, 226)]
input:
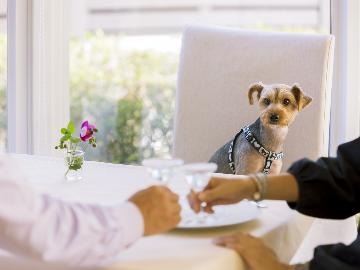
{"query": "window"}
[(124, 58), (3, 73), (345, 111)]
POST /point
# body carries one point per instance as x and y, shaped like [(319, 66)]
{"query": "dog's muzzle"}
[(274, 118)]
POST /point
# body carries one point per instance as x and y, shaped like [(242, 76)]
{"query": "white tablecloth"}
[(281, 228)]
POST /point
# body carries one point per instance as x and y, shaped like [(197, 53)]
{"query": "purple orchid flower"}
[(87, 131)]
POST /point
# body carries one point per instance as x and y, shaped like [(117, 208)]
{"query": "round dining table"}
[(291, 235)]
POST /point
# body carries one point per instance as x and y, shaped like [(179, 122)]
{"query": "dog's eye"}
[(266, 101), (286, 101)]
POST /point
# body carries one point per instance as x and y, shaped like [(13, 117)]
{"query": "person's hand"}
[(159, 207), (255, 254), (221, 191)]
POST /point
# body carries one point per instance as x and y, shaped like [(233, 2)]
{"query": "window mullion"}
[(50, 79), (19, 76), (345, 110)]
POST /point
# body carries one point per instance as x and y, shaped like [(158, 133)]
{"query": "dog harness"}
[(269, 155)]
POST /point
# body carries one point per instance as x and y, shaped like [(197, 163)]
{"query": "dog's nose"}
[(274, 118)]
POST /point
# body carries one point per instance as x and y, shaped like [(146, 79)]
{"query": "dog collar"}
[(269, 155)]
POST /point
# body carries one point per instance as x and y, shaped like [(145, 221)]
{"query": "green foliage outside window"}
[(126, 148), (129, 94)]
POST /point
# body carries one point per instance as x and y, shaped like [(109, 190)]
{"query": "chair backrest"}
[(217, 65)]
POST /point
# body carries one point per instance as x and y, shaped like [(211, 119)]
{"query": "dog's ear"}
[(256, 87), (301, 98)]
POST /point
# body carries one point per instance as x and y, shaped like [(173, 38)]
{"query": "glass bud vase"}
[(74, 160)]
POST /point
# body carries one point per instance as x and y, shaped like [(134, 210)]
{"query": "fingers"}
[(159, 207), (208, 195), (240, 241), (167, 192), (194, 202), (210, 192), (232, 242), (254, 252), (224, 240), (174, 197), (214, 181), (171, 200), (174, 220), (208, 209), (238, 248), (177, 220), (175, 209), (229, 242)]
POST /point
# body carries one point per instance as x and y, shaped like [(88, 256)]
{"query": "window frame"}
[(345, 109), (19, 76), (50, 74), (37, 90), (38, 72)]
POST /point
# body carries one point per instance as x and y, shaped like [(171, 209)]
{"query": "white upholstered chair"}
[(217, 65)]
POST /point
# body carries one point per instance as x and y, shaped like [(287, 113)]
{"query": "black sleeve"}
[(329, 187), (337, 257)]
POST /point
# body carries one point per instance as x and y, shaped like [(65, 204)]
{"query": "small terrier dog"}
[(257, 148)]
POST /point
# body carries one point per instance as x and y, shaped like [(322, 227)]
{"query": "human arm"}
[(329, 187), (326, 188), (258, 256), (223, 189), (42, 227), (329, 257)]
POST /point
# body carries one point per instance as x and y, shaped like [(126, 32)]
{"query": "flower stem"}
[(72, 160)]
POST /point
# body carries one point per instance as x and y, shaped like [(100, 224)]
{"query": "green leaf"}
[(75, 167), (75, 140), (75, 163), (65, 138), (64, 130), (71, 127)]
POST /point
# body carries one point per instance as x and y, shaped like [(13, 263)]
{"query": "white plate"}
[(224, 216)]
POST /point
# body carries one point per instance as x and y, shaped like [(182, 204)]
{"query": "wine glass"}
[(162, 169), (198, 175)]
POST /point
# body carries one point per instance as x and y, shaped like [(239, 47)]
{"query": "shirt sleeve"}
[(338, 256), (329, 187), (39, 226)]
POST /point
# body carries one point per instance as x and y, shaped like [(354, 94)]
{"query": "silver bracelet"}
[(260, 180), (302, 266)]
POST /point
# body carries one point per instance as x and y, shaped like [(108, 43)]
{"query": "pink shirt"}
[(39, 226)]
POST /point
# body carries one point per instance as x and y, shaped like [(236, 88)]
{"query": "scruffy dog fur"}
[(278, 106)]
